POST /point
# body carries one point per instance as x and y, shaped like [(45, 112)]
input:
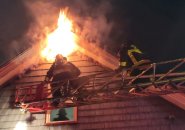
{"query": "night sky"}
[(156, 26)]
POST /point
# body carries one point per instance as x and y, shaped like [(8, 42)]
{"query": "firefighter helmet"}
[(126, 44), (59, 57)]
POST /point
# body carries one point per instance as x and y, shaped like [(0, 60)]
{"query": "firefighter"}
[(61, 72), (124, 63), (130, 56), (123, 57)]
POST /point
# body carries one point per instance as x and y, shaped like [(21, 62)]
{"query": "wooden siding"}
[(143, 113), (150, 113), (19, 64)]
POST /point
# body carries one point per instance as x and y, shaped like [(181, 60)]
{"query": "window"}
[(61, 116)]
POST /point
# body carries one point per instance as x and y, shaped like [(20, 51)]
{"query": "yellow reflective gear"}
[(141, 62), (130, 54), (135, 49), (123, 64)]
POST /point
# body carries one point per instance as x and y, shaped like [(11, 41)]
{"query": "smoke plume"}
[(38, 18), (90, 18)]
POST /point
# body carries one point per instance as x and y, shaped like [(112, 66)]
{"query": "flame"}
[(60, 41)]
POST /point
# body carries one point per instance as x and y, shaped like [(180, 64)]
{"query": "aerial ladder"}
[(152, 79)]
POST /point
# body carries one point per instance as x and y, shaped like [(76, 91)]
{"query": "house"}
[(146, 113)]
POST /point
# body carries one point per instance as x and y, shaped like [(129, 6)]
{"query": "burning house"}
[(102, 105)]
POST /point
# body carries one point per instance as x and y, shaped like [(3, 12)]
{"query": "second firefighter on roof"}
[(129, 55)]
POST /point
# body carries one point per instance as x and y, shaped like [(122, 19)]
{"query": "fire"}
[(60, 41)]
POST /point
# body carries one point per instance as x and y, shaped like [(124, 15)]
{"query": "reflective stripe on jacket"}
[(130, 54), (123, 64)]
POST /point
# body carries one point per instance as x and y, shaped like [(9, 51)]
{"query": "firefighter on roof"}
[(61, 72), (123, 56), (129, 56)]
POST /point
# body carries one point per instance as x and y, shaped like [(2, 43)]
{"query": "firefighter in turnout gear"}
[(61, 72), (124, 63), (129, 56), (123, 56)]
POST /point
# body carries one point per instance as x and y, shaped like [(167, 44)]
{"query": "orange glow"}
[(60, 41)]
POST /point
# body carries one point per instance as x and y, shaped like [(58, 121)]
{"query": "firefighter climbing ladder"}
[(145, 80)]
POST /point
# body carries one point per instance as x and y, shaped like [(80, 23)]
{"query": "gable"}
[(137, 113)]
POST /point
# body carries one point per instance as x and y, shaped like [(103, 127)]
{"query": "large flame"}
[(60, 41)]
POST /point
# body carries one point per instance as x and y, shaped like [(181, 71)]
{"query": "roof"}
[(138, 113), (31, 57)]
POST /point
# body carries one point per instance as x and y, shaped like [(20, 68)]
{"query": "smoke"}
[(33, 20), (90, 19), (96, 21), (44, 19), (14, 22), (21, 26)]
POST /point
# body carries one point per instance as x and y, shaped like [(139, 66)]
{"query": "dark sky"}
[(155, 26), (14, 21)]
